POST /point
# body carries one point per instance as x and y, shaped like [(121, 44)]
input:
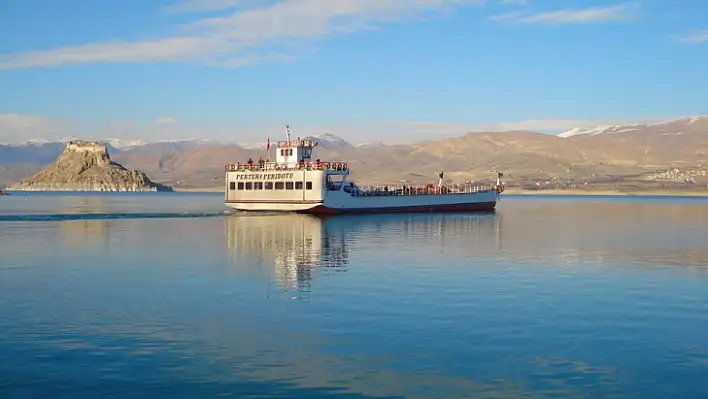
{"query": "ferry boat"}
[(295, 182)]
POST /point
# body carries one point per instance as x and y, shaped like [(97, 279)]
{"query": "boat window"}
[(279, 185), (240, 185), (308, 185), (269, 185), (288, 185), (298, 185), (258, 185), (291, 151), (232, 185), (249, 185), (332, 185)]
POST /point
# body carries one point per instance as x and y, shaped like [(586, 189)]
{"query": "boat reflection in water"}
[(288, 249)]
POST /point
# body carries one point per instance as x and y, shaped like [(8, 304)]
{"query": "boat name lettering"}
[(264, 176)]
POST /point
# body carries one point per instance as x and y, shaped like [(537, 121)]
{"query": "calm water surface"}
[(163, 295)]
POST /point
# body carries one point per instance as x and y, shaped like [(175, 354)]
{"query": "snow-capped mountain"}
[(120, 144), (250, 145), (126, 144), (373, 144), (38, 141), (598, 130), (672, 126), (114, 142), (45, 150), (329, 141)]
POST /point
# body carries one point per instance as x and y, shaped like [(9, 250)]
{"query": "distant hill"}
[(87, 166), (327, 140), (372, 144), (30, 153), (667, 154)]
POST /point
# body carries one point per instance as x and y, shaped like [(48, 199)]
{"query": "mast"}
[(287, 132)]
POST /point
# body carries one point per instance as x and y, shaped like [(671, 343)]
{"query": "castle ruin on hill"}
[(87, 166)]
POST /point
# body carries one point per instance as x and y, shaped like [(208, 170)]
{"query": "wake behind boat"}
[(296, 183)]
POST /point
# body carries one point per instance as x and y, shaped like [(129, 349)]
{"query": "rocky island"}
[(86, 166)]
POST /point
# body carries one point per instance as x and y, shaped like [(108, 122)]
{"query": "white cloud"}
[(165, 120), (23, 122), (211, 5), (694, 37), (240, 34), (19, 127), (253, 59), (618, 12), (172, 49), (315, 18)]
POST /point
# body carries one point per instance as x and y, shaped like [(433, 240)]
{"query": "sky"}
[(396, 71)]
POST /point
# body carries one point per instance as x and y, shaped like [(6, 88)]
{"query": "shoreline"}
[(554, 192), (509, 191), (589, 193)]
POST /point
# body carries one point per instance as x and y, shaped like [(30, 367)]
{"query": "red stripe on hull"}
[(475, 207)]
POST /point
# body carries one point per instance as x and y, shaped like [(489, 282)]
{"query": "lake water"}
[(165, 296)]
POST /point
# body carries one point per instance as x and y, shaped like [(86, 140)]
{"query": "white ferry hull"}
[(279, 206), (480, 201), (340, 202)]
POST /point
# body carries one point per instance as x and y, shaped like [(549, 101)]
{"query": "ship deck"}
[(263, 166), (429, 189)]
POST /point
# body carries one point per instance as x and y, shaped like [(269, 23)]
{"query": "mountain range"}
[(672, 153)]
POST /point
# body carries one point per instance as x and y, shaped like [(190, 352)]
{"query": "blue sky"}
[(390, 70)]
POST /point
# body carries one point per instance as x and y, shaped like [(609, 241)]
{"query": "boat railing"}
[(301, 143), (378, 191), (274, 166)]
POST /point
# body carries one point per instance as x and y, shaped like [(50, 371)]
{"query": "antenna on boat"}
[(499, 186), (287, 132)]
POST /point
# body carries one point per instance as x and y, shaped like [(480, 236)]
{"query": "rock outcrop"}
[(86, 166)]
